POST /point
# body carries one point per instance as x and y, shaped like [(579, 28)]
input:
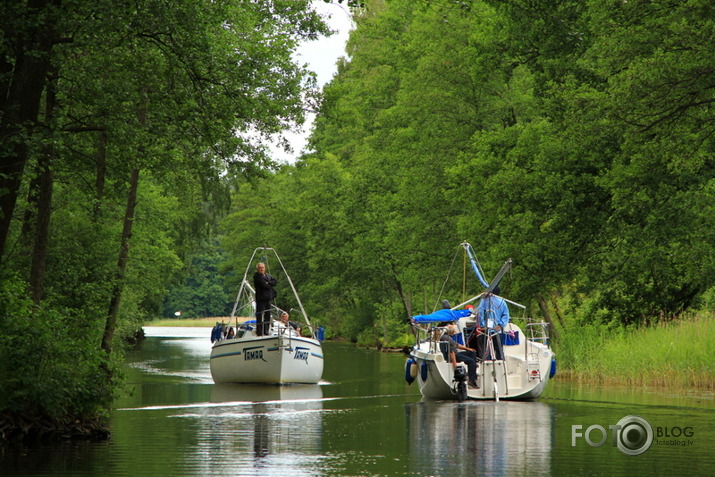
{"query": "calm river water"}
[(364, 420)]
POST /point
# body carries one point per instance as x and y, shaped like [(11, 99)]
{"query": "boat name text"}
[(253, 354)]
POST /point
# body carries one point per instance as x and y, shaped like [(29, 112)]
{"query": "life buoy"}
[(410, 370)]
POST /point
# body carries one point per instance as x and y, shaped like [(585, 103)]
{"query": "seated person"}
[(467, 356), (292, 324)]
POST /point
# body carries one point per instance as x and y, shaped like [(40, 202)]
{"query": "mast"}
[(489, 286), (475, 264)]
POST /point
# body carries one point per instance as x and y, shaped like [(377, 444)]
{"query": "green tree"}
[(659, 93), (202, 293), (148, 108)]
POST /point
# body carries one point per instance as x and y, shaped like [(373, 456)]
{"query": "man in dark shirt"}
[(263, 283), (467, 355)]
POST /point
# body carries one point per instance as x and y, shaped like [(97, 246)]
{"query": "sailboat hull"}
[(522, 375), (268, 359)]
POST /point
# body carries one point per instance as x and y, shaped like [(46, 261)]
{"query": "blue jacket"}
[(495, 310)]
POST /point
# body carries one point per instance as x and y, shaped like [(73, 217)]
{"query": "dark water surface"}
[(364, 420)]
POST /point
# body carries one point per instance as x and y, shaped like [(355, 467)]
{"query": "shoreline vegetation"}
[(189, 322), (677, 353), (25, 429)]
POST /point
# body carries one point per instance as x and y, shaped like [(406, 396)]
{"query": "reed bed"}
[(678, 353)]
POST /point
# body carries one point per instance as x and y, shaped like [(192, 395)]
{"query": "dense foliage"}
[(120, 122), (203, 292), (574, 137)]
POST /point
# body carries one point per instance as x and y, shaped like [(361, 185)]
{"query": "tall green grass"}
[(679, 353)]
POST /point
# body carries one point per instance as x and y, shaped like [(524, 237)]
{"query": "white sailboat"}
[(521, 371), (283, 355)]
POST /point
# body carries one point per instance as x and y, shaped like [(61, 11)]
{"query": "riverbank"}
[(26, 430), (678, 353), (190, 322)]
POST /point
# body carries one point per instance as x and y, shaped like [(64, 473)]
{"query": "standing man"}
[(265, 292), (493, 317)]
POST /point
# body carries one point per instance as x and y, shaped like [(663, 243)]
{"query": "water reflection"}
[(259, 429), (179, 353), (367, 421), (478, 438), (260, 393)]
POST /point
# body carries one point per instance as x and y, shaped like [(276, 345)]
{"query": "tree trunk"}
[(544, 306), (405, 302), (101, 173), (20, 108), (33, 194), (42, 229), (557, 311), (44, 202), (111, 323)]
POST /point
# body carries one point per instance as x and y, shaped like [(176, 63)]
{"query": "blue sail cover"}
[(444, 314)]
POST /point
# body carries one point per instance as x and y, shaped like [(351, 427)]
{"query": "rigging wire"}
[(464, 275), (449, 272)]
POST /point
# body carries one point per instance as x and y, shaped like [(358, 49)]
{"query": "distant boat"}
[(282, 356), (527, 365)]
